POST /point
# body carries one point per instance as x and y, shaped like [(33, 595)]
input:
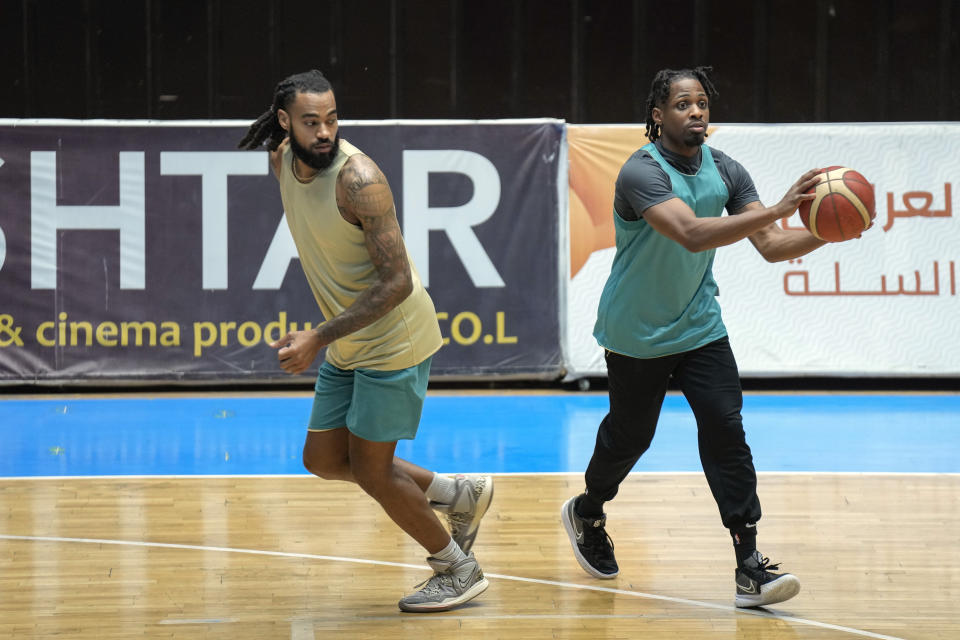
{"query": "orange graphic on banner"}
[(596, 154)]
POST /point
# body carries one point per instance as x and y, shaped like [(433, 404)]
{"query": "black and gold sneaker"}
[(758, 586)]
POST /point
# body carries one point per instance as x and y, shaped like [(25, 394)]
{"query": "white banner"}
[(884, 305)]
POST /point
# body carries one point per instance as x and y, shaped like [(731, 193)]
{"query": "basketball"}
[(844, 206)]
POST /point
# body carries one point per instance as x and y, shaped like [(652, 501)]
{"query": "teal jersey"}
[(660, 298)]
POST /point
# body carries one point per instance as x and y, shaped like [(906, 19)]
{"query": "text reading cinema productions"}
[(464, 328)]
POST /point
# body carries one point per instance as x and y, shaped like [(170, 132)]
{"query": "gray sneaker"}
[(757, 586), (450, 586), (469, 504)]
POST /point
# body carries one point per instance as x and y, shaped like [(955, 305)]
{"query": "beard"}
[(694, 139), (315, 159)]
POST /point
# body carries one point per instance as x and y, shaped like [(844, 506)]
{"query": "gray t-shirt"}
[(643, 183)]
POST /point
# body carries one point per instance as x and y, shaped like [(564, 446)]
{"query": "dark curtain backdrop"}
[(586, 61)]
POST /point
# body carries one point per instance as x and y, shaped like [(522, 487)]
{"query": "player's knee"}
[(326, 468), (317, 469), (624, 442)]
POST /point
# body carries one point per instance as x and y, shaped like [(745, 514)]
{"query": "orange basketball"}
[(843, 208)]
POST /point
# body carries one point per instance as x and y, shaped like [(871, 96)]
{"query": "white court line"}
[(554, 583)]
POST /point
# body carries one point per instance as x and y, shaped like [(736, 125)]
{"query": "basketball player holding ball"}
[(658, 318)]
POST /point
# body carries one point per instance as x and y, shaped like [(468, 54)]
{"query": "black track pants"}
[(710, 382)]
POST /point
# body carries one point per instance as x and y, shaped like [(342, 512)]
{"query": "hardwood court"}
[(297, 557)]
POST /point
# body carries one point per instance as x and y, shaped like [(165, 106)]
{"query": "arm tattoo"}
[(364, 195)]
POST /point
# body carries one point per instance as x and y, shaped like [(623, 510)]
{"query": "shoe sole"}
[(572, 535), (466, 543), (781, 589), (431, 607)]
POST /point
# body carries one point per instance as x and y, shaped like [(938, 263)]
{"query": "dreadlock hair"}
[(660, 91), (267, 126)]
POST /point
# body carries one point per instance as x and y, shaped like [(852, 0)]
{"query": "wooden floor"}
[(301, 558)]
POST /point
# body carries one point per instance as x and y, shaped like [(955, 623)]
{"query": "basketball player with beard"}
[(380, 331), (659, 319)]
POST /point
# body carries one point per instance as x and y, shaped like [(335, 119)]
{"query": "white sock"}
[(441, 489), (452, 553)]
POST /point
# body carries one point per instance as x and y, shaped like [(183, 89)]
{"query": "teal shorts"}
[(382, 406)]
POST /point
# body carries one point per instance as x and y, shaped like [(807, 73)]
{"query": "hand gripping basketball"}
[(843, 206)]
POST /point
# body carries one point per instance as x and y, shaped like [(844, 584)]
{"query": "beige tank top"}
[(338, 267)]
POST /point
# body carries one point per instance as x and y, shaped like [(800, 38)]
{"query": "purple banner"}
[(159, 253)]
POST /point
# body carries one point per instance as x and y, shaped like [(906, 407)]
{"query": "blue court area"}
[(470, 433)]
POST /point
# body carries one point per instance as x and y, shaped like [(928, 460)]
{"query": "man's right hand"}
[(797, 193), (298, 350)]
